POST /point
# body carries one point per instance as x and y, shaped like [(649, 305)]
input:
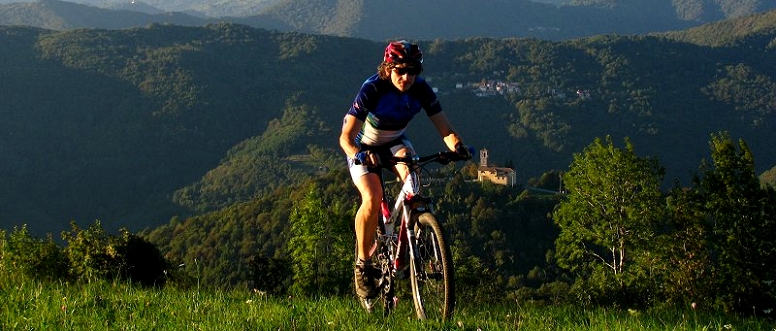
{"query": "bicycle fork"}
[(406, 242)]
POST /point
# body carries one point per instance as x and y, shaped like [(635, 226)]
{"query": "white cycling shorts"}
[(358, 170)]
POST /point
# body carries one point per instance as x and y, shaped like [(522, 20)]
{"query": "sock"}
[(362, 262)]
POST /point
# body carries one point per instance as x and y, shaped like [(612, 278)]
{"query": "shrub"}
[(94, 254), (34, 257)]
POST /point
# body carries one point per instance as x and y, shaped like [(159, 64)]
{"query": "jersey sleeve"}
[(428, 99), (365, 99)]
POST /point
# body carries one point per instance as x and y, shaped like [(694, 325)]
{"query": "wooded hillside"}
[(135, 126)]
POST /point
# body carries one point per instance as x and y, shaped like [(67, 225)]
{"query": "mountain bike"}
[(418, 250)]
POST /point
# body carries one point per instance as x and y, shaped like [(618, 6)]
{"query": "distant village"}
[(495, 87), (489, 88)]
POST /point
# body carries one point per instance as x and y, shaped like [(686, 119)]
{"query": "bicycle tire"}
[(433, 286)]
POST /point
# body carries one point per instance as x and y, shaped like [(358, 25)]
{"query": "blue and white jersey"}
[(386, 111)]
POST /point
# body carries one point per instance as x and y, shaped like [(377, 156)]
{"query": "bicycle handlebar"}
[(439, 157)]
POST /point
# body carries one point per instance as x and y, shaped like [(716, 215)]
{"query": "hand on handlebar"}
[(367, 158), (465, 152), (361, 157)]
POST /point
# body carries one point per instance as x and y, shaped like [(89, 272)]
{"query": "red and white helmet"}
[(404, 52)]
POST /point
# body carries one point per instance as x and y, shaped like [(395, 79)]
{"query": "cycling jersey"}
[(386, 111)]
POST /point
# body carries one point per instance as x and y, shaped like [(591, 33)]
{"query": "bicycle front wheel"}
[(431, 271)]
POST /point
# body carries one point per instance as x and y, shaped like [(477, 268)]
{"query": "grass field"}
[(32, 305)]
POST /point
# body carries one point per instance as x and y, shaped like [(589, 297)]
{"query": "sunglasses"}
[(413, 71)]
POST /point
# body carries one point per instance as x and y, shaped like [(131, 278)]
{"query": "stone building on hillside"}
[(497, 175)]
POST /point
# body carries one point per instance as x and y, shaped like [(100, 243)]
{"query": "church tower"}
[(483, 157)]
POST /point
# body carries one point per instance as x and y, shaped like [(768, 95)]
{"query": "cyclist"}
[(375, 126)]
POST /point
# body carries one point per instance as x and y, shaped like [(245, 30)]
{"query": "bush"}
[(140, 261), (34, 257), (93, 255), (270, 275)]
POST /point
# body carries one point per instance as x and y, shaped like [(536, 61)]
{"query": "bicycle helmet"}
[(402, 52)]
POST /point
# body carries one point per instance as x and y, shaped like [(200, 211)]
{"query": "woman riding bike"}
[(375, 125)]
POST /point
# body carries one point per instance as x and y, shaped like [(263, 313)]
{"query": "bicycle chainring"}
[(386, 282)]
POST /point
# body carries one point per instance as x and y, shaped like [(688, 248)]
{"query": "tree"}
[(609, 219), (86, 249), (742, 219), (687, 275), (768, 178), (321, 246)]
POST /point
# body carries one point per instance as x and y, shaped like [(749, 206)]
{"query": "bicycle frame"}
[(401, 214), (426, 250)]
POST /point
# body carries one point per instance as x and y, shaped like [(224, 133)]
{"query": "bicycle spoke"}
[(432, 274)]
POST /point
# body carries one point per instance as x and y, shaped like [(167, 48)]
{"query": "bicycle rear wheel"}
[(431, 271)]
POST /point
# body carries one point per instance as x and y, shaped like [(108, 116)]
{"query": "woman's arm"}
[(446, 130), (350, 128)]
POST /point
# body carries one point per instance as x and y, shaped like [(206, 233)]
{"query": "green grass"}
[(32, 305)]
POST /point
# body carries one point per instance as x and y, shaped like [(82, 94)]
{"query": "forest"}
[(204, 147), (609, 237), (135, 126)]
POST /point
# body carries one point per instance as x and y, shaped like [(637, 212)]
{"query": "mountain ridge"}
[(379, 21), (137, 125), (62, 15)]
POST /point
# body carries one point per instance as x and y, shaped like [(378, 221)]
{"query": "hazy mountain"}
[(756, 28), (59, 15), (202, 8), (375, 20), (452, 19), (137, 6), (554, 2), (694, 10)]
